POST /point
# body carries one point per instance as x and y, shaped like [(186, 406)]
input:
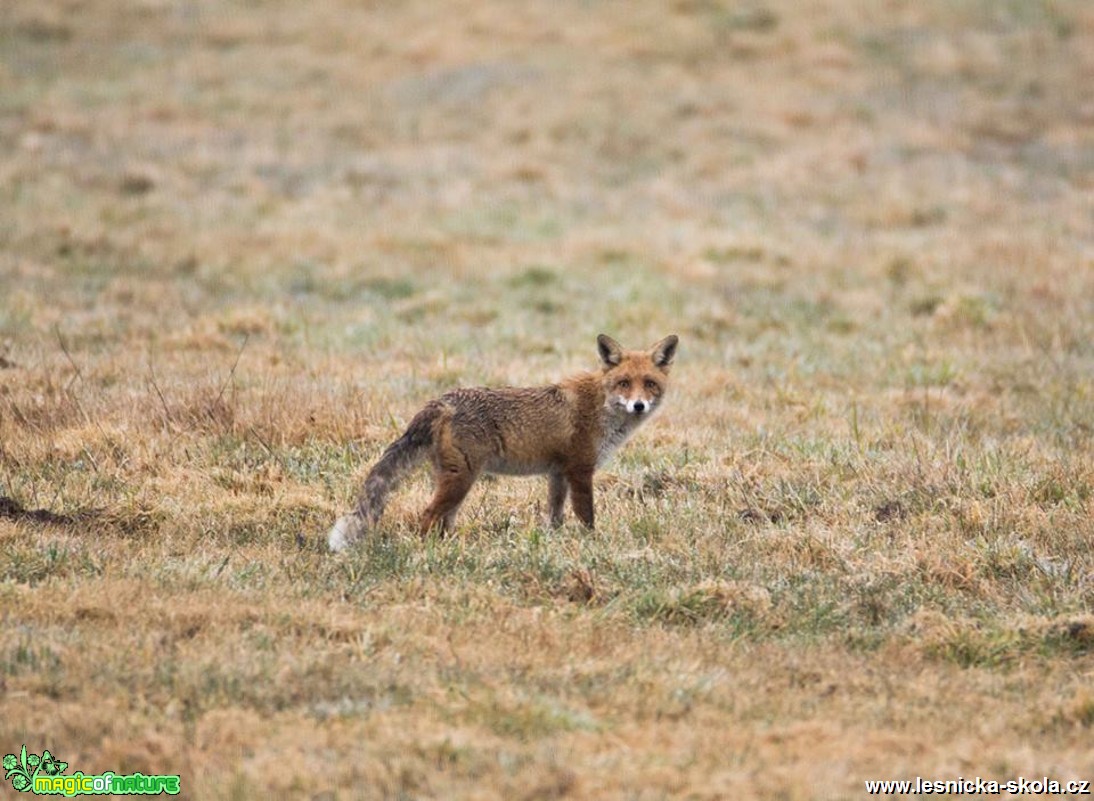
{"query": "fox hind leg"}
[(451, 489), (455, 472)]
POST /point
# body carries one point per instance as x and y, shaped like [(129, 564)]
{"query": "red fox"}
[(564, 430)]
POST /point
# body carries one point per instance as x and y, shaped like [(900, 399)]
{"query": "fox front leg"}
[(556, 497), (581, 494)]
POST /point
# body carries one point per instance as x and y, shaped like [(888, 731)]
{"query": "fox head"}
[(635, 380)]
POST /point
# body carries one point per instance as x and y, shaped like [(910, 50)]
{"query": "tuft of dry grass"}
[(241, 243)]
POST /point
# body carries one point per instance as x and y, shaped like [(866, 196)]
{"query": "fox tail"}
[(399, 458)]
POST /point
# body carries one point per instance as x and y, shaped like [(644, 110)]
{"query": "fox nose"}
[(640, 406)]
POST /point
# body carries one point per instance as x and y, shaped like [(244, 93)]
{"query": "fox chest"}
[(617, 430)]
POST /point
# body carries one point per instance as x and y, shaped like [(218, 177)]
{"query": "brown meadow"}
[(242, 242)]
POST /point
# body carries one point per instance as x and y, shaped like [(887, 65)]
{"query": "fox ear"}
[(611, 352), (664, 351)]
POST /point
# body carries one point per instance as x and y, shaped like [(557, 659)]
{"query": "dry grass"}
[(240, 243)]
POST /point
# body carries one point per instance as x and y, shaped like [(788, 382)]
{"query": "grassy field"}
[(242, 242)]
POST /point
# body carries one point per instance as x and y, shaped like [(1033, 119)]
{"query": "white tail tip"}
[(343, 533)]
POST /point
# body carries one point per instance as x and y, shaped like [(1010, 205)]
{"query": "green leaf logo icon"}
[(22, 769)]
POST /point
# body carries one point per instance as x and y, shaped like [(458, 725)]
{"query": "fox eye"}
[(624, 383), (650, 384)]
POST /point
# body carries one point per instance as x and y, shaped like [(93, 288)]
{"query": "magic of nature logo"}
[(45, 775)]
